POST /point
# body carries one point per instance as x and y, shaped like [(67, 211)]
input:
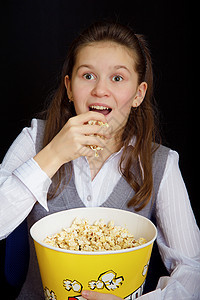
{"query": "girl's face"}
[(104, 80)]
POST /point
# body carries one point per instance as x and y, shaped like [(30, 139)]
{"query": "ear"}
[(68, 87), (140, 94)]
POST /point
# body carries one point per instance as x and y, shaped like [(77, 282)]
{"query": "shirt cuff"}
[(35, 179)]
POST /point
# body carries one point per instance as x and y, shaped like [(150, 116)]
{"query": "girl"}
[(106, 79)]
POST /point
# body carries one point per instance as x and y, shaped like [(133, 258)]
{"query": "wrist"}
[(48, 161)]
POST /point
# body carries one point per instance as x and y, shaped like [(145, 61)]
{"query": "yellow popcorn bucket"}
[(65, 273)]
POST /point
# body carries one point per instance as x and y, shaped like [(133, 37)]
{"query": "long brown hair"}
[(141, 122)]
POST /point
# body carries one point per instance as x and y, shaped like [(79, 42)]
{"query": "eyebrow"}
[(84, 66), (121, 67), (117, 67)]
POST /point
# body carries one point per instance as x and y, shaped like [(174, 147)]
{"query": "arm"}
[(178, 238), (25, 175), (22, 182)]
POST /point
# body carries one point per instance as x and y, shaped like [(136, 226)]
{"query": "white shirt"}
[(94, 192), (23, 183)]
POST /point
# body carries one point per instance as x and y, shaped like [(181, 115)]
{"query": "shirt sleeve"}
[(22, 181), (178, 238)]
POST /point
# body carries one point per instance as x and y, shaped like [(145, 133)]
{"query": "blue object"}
[(17, 255)]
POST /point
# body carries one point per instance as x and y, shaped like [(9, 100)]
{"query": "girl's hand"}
[(71, 142), (90, 295), (73, 139)]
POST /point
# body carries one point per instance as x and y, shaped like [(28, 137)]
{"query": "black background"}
[(35, 35)]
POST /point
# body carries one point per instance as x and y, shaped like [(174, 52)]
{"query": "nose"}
[(100, 89)]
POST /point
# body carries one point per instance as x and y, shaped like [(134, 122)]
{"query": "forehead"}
[(105, 54)]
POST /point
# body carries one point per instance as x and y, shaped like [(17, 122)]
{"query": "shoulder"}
[(165, 161), (40, 124), (24, 146), (172, 164), (165, 155), (37, 125), (35, 132), (160, 150), (160, 156), (159, 161)]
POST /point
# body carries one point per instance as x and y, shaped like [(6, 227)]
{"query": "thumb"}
[(91, 295)]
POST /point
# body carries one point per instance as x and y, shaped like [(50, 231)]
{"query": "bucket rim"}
[(77, 252)]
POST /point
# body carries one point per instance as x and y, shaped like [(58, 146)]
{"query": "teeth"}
[(99, 107)]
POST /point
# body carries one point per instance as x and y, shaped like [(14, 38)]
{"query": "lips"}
[(105, 110)]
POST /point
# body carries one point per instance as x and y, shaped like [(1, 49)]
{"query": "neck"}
[(96, 163)]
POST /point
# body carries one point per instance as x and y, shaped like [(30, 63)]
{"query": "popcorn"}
[(100, 123), (97, 237), (93, 147)]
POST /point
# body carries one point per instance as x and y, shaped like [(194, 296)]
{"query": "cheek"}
[(77, 92), (80, 89), (125, 100), (80, 96)]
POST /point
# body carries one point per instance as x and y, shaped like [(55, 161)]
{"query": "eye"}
[(88, 76), (117, 78)]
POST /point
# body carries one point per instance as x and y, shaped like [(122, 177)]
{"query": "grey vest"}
[(69, 198)]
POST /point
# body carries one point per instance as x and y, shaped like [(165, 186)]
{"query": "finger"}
[(85, 151), (95, 129), (90, 115), (91, 295), (93, 140)]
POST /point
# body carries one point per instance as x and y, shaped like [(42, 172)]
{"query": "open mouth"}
[(101, 109)]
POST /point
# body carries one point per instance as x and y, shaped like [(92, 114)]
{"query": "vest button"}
[(89, 198)]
